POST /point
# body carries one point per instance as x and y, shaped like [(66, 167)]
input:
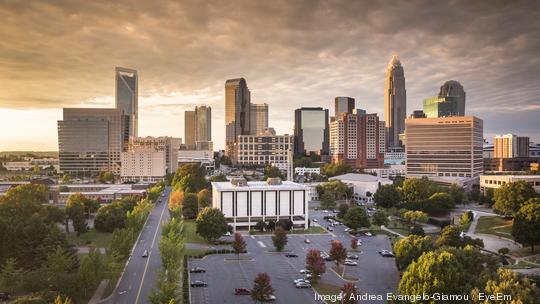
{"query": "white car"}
[(368, 234), (315, 220), (350, 263), (301, 280), (304, 271)]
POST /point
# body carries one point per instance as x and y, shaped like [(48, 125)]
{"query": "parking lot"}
[(376, 274)]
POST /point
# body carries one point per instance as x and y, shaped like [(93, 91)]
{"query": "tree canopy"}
[(409, 249), (509, 197), (335, 169), (189, 178), (356, 217), (387, 196), (526, 227), (211, 223)]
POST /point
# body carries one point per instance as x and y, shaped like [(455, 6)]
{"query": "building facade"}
[(455, 90), (306, 170), (495, 181), (258, 118), (440, 107), (190, 129), (343, 105), (510, 146), (311, 132), (127, 100), (264, 149), (245, 203), (364, 185), (90, 141), (237, 113), (395, 102), (444, 147), (198, 128), (203, 157)]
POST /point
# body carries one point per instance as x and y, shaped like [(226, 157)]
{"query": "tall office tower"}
[(127, 100), (441, 106), (190, 129), (358, 139), (510, 146), (395, 102), (90, 141), (311, 132), (237, 113), (454, 89), (343, 105), (259, 118), (444, 147), (203, 117)]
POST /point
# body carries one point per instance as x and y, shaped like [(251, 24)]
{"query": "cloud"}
[(293, 53)]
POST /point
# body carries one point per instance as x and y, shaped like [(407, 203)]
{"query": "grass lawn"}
[(495, 225), (327, 289), (190, 229), (91, 238)]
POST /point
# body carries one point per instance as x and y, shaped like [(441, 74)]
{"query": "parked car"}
[(241, 292), (198, 284), (304, 271), (329, 228), (352, 257), (315, 220), (300, 280), (350, 263), (4, 296), (307, 241), (302, 285), (145, 254), (269, 298), (386, 253), (368, 234), (197, 270), (291, 255)]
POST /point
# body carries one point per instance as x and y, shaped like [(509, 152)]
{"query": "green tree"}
[(417, 189), (11, 276), (262, 287), (286, 224), (211, 223), (205, 198), (166, 288), (259, 226), (509, 198), (121, 242), (409, 249), (190, 206), (466, 219), (303, 161), (338, 253), (356, 217), (279, 238), (526, 227), (452, 236), (315, 264), (110, 217), (272, 171), (75, 210), (415, 217), (458, 194), (438, 203), (90, 270), (65, 179), (507, 282), (218, 178), (342, 209), (379, 218), (335, 169), (387, 196), (106, 177), (190, 178), (171, 246), (327, 201)]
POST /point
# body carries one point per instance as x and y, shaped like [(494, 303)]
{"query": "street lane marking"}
[(261, 244)]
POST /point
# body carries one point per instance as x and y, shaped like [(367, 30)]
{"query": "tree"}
[(106, 177), (417, 230), (356, 217), (335, 169), (315, 264), (342, 209), (327, 201), (166, 288), (271, 225), (338, 253), (11, 276), (190, 206), (205, 198), (417, 189), (261, 287), (110, 217), (65, 179), (121, 242), (409, 249), (354, 243), (415, 217), (509, 197), (452, 236), (279, 238), (239, 244), (336, 188), (379, 218), (458, 194), (189, 178), (90, 269), (176, 200), (387, 196), (526, 228), (466, 218), (218, 178), (303, 161), (58, 300), (286, 224), (507, 282), (75, 210), (272, 171), (211, 223), (349, 292), (259, 225), (438, 203)]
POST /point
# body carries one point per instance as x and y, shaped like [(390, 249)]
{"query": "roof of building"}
[(357, 177), (261, 185)]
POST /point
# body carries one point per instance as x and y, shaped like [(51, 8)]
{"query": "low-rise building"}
[(304, 170), (364, 185), (203, 157), (245, 203), (103, 193), (391, 172), (495, 181)]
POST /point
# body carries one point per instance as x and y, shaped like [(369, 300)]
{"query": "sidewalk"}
[(98, 294)]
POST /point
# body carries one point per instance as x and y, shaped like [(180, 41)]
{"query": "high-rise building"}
[(343, 105), (454, 89), (311, 132), (190, 129), (265, 149), (358, 139), (127, 100), (444, 147), (395, 102), (237, 113), (258, 118), (90, 141), (510, 146), (203, 117), (441, 106)]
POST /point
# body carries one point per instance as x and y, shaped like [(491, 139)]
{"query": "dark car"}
[(352, 257), (386, 253), (242, 291), (145, 254), (198, 284), (197, 270), (4, 296), (291, 255)]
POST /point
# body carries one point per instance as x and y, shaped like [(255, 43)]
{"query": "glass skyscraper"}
[(126, 81), (440, 107), (311, 131), (237, 113)]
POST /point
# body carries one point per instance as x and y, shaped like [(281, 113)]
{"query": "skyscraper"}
[(126, 93), (190, 129), (203, 118), (311, 132), (237, 113), (441, 106), (454, 89), (510, 146), (343, 105), (259, 118), (395, 102)]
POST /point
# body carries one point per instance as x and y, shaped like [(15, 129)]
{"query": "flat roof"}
[(357, 177), (260, 185)]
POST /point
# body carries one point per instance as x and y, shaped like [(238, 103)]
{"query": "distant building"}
[(510, 146), (418, 114), (515, 164), (496, 181), (306, 170), (343, 105), (364, 185), (127, 100), (190, 129), (393, 171), (264, 149), (311, 132), (440, 107), (237, 113), (203, 157), (455, 90), (245, 203), (444, 147), (394, 158), (395, 102), (103, 193), (30, 163), (258, 118)]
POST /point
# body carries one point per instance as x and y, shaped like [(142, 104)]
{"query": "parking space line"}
[(261, 244)]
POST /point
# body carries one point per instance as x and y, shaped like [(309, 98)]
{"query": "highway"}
[(140, 274)]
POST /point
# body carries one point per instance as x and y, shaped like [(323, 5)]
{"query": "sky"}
[(56, 54)]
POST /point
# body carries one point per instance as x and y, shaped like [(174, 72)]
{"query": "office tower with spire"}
[(395, 102), (126, 98), (237, 113), (454, 90)]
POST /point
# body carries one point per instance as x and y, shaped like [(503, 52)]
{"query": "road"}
[(140, 274)]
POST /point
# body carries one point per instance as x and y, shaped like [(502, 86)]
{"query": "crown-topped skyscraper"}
[(395, 102)]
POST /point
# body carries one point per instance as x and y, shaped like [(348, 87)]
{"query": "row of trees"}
[(189, 204)]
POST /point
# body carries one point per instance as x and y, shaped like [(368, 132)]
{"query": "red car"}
[(241, 292)]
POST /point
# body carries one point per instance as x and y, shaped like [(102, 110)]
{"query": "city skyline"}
[(336, 49)]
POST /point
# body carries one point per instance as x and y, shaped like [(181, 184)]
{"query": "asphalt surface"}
[(140, 274), (376, 274)]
